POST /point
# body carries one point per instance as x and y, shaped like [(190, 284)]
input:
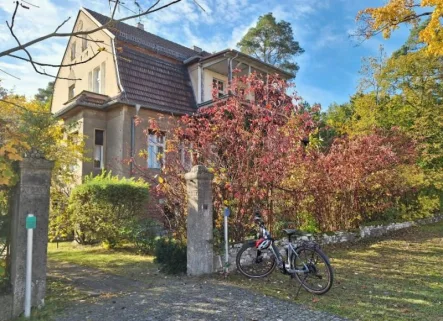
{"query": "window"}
[(71, 93), (73, 51), (96, 79), (83, 37), (156, 150), (84, 42), (220, 85), (98, 149)]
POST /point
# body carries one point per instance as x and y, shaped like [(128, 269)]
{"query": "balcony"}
[(217, 70)]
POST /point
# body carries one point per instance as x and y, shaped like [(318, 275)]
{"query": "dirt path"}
[(117, 298)]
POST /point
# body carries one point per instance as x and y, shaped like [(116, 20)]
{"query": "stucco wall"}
[(92, 120), (117, 142), (116, 122), (61, 87), (193, 74)]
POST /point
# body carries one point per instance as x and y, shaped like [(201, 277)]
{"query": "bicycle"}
[(305, 261)]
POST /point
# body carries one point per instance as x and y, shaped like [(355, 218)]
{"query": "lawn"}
[(123, 261), (399, 277), (58, 297)]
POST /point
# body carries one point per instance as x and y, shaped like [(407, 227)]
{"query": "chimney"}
[(198, 49), (140, 26)]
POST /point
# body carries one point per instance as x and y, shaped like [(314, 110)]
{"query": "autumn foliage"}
[(394, 13), (253, 143)]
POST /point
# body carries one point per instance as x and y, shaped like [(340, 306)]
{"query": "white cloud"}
[(185, 22)]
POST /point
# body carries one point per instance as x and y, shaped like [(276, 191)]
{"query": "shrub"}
[(171, 255), (143, 234), (102, 206)]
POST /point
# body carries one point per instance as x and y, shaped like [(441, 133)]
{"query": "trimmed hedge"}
[(101, 207)]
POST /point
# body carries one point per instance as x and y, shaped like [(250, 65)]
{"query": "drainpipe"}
[(230, 68), (131, 165)]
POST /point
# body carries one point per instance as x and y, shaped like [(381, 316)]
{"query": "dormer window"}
[(220, 85)]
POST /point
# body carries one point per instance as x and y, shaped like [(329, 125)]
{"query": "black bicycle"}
[(304, 260)]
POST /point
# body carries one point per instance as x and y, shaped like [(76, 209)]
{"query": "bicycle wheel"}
[(254, 263), (319, 276)]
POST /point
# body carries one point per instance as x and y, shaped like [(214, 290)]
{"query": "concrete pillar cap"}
[(199, 172)]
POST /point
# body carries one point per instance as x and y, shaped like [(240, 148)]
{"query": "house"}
[(138, 74)]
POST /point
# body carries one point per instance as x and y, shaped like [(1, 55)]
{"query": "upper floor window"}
[(73, 51), (96, 79), (220, 85), (156, 150), (99, 140), (71, 93), (84, 42), (83, 37)]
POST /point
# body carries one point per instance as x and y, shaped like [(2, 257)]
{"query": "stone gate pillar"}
[(200, 221), (30, 196)]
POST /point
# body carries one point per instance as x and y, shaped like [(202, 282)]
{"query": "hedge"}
[(101, 206)]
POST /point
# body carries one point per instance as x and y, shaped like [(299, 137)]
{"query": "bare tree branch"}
[(57, 65), (9, 74), (86, 32), (27, 52), (61, 25), (30, 4)]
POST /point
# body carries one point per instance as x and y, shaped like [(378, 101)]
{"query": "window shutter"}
[(90, 81), (102, 78)]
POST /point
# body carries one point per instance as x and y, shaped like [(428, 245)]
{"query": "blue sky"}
[(328, 68)]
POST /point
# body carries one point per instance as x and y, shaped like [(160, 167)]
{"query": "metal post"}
[(30, 225), (227, 212)]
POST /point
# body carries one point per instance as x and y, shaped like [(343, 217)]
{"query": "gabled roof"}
[(158, 81), (139, 37)]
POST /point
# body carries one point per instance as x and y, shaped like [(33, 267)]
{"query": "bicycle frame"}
[(287, 266)]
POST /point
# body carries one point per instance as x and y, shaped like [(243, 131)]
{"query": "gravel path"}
[(171, 299)]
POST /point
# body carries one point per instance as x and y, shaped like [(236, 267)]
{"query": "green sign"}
[(31, 222)]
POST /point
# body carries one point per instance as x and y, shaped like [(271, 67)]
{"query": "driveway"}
[(116, 298)]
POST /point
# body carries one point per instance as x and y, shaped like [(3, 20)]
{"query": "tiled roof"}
[(147, 79), (164, 85)]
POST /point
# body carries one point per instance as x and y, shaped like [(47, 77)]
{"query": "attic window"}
[(84, 38), (71, 93), (73, 51)]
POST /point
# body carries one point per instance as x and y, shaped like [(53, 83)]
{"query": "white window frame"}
[(73, 48), (156, 141), (96, 80), (71, 91), (216, 81), (100, 149)]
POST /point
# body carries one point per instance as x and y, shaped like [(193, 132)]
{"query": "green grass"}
[(121, 261), (58, 297), (399, 277)]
